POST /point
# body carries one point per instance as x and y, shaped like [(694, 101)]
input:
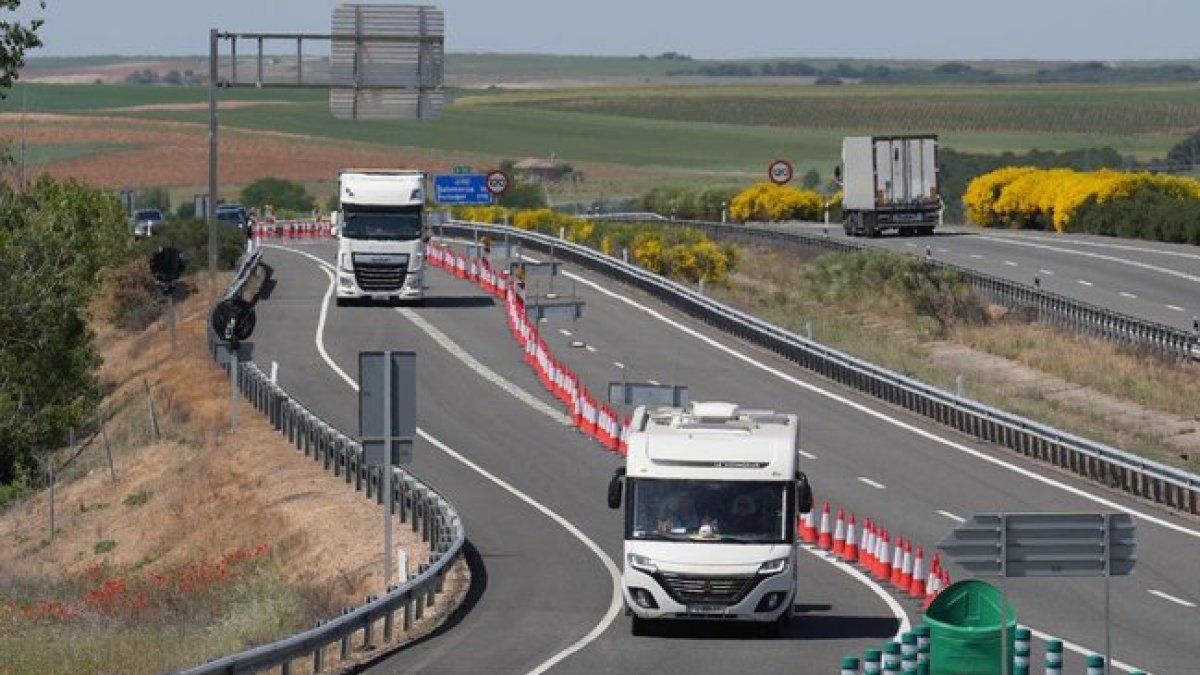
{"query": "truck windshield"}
[(737, 512), (400, 223)]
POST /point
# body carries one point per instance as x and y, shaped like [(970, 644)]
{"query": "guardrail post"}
[(318, 653), (345, 653)]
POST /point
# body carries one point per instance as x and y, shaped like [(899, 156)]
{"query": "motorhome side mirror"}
[(804, 495), (615, 488)]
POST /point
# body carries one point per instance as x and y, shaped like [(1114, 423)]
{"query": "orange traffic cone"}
[(850, 551), (897, 567), (906, 569), (866, 547), (931, 589), (839, 533), (882, 566), (824, 538), (808, 527), (916, 588)]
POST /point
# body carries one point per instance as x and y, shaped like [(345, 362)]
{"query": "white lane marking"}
[(911, 245), (884, 417), (1048, 273), (943, 250), (1107, 258), (806, 455), (1085, 283), (951, 516), (590, 348), (653, 382), (619, 365), (615, 603), (1125, 294), (564, 332), (1011, 263), (1096, 244), (1177, 308), (857, 575), (1171, 598), (976, 256), (1082, 651), (875, 484)]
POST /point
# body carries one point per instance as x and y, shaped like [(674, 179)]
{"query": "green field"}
[(44, 153), (691, 133)]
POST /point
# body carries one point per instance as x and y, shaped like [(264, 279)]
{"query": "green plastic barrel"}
[(965, 629)]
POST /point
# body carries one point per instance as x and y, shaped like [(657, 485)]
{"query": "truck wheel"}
[(926, 231)]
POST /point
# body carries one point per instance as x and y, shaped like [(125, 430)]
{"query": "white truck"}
[(381, 231), (889, 183), (711, 494)]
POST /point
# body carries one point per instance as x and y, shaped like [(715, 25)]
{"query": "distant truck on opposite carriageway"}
[(381, 231), (889, 183)]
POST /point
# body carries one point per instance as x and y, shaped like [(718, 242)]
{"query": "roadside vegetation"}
[(894, 311)]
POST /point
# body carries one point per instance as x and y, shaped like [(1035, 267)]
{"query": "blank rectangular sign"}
[(401, 368)]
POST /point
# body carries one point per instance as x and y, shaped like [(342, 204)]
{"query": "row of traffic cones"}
[(896, 564), (598, 421), (290, 229)]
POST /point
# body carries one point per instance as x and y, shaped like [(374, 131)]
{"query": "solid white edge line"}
[(1170, 598), (615, 604), (951, 516), (875, 484), (857, 574), (1098, 256)]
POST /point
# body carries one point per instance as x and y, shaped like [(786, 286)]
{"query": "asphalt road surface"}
[(543, 545)]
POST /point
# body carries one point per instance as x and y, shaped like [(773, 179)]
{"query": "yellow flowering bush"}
[(772, 203)]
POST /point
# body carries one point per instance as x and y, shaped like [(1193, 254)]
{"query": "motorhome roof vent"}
[(711, 412)]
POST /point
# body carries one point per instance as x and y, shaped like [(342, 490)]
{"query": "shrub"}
[(770, 202), (132, 299)]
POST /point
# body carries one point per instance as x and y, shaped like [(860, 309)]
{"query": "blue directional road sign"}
[(466, 189)]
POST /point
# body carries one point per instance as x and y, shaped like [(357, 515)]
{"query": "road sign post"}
[(1045, 545), (387, 423)]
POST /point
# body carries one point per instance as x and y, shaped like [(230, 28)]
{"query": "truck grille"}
[(705, 590), (375, 278)]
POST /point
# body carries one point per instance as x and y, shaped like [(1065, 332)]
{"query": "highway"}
[(544, 546), (1145, 279)]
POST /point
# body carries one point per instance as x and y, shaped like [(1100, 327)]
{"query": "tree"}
[(15, 39), (280, 193), (1185, 152), (811, 180)]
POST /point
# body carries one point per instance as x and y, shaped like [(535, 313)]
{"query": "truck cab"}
[(381, 231), (711, 494)]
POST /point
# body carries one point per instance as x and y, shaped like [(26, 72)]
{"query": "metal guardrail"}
[(1154, 481), (416, 503), (1052, 308)]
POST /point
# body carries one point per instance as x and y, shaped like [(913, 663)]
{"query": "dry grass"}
[(197, 493), (1089, 387)]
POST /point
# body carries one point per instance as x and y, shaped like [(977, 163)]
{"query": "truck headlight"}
[(773, 567), (641, 563), (344, 263)]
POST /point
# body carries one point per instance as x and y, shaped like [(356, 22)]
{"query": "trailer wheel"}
[(871, 226)]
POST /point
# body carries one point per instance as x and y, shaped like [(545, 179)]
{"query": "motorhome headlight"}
[(772, 567), (641, 563)]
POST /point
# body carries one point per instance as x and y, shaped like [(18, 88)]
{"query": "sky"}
[(918, 29)]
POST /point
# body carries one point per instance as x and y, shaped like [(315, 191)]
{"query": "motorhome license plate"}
[(705, 609)]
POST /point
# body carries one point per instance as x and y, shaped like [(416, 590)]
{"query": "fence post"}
[(150, 407)]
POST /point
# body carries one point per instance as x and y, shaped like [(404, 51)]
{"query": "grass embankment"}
[(206, 542), (885, 309)]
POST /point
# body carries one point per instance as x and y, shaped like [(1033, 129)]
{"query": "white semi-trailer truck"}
[(889, 183), (381, 231), (711, 494)]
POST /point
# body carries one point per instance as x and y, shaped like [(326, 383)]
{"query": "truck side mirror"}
[(837, 174), (804, 494), (615, 488)]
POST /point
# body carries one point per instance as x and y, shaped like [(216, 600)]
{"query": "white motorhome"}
[(711, 493), (381, 234)]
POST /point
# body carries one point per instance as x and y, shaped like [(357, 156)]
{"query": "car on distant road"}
[(233, 214), (145, 220)]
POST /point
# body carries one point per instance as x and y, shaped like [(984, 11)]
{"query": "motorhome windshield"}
[(400, 223), (736, 512)]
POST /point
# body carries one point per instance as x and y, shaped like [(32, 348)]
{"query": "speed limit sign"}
[(497, 183), (780, 171)]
